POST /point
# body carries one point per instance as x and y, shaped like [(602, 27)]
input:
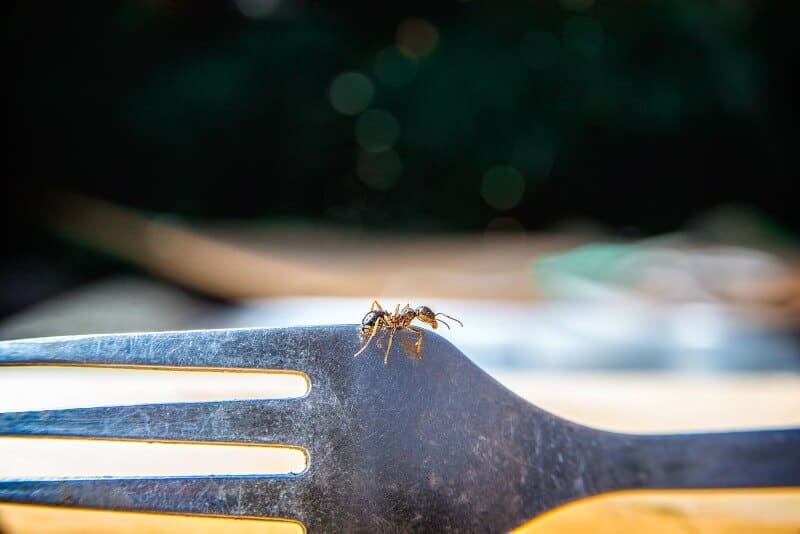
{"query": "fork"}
[(431, 444)]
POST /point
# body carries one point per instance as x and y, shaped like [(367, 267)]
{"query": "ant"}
[(401, 319)]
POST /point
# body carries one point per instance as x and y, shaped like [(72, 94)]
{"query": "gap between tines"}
[(26, 388), (57, 458)]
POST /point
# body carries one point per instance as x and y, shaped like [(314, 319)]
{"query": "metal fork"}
[(433, 444)]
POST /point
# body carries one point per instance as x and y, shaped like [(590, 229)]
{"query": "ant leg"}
[(388, 347), (418, 344), (362, 349), (451, 318), (376, 304), (372, 335)]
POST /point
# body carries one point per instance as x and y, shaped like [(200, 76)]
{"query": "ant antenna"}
[(451, 318)]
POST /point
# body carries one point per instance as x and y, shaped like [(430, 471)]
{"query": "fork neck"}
[(768, 458)]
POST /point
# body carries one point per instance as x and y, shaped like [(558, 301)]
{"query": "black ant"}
[(378, 318)]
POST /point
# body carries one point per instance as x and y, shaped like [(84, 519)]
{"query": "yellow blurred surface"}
[(678, 512), (699, 512), (18, 519)]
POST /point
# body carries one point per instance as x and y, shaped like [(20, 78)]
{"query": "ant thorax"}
[(406, 316)]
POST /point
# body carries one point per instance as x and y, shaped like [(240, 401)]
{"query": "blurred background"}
[(174, 158), (601, 191)]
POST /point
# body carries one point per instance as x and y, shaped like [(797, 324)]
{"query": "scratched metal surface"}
[(417, 445)]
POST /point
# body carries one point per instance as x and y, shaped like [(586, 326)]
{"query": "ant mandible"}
[(378, 318)]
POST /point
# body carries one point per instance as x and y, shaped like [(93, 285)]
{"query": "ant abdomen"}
[(371, 317)]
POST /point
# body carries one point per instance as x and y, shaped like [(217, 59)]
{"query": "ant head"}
[(426, 315)]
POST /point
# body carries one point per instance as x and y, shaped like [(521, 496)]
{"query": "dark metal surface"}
[(417, 445)]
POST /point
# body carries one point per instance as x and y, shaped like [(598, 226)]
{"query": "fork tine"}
[(277, 496), (259, 348), (272, 421)]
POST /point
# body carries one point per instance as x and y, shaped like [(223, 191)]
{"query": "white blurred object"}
[(566, 334)]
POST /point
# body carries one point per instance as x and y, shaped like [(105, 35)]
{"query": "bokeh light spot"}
[(379, 170), (417, 38), (502, 187), (583, 35), (393, 68), (540, 50), (351, 93), (376, 130)]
